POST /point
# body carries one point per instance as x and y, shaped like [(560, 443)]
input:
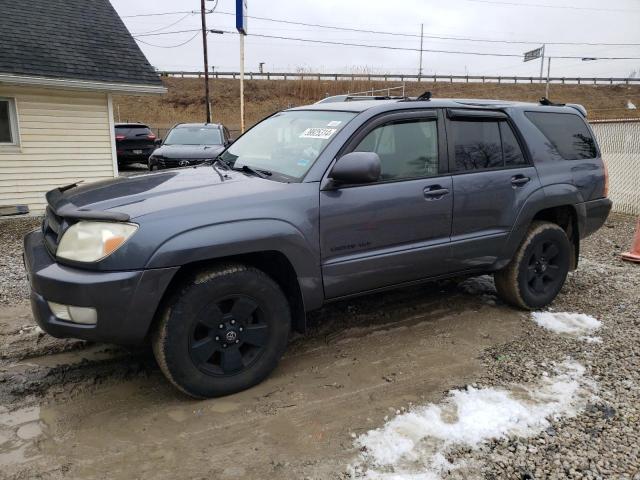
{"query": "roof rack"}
[(546, 102)]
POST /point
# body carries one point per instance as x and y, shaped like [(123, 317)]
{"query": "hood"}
[(145, 194), (188, 151)]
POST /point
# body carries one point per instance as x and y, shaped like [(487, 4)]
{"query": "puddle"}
[(18, 432)]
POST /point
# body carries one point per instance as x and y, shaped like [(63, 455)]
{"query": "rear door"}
[(397, 229), (492, 178)]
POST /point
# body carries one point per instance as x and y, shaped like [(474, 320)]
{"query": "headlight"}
[(93, 241)]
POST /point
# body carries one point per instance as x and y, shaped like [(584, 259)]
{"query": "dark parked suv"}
[(134, 143), (217, 264), (189, 144)]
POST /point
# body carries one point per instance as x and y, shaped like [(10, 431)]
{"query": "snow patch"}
[(414, 445), (575, 324)]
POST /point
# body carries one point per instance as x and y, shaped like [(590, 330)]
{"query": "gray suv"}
[(217, 264)]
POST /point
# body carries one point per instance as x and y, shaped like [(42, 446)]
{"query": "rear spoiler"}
[(576, 106), (64, 208)]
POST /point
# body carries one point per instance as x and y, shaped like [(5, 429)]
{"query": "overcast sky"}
[(590, 21)]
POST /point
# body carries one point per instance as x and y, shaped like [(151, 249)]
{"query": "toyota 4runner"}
[(216, 265)]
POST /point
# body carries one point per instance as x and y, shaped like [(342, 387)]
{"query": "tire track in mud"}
[(35, 367)]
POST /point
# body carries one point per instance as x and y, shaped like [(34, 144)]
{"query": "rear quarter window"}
[(567, 134)]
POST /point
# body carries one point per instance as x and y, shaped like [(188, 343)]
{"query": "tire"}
[(204, 360), (539, 269)]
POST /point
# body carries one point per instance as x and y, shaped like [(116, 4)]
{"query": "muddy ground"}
[(69, 409)]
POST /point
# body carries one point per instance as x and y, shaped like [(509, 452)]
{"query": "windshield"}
[(288, 143), (194, 136)]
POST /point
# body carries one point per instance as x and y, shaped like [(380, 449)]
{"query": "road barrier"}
[(395, 77)]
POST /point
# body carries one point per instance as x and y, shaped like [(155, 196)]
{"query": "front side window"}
[(288, 143), (567, 135), (8, 124), (406, 149)]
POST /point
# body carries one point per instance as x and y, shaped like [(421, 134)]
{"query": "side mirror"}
[(356, 167), (157, 141)]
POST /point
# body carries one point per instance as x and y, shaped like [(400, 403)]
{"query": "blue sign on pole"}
[(241, 16)]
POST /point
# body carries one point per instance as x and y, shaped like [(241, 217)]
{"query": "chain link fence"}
[(619, 141)]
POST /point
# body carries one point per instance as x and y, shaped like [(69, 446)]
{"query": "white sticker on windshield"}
[(334, 123), (323, 133)]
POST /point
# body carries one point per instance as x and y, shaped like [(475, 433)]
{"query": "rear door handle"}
[(435, 192), (519, 180)]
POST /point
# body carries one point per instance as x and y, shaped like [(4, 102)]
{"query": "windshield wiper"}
[(222, 162), (253, 171)]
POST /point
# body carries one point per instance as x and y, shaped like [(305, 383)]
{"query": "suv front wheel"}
[(223, 332), (539, 269)]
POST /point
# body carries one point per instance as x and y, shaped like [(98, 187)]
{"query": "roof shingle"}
[(70, 39)]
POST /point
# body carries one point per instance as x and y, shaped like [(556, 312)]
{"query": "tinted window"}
[(5, 122), (406, 150), (567, 134), (133, 131), (194, 136), (510, 147), (477, 145)]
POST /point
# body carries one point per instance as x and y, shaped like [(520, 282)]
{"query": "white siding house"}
[(56, 118)]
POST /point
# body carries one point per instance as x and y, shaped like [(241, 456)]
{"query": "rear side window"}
[(567, 134), (511, 150), (477, 145), (407, 149)]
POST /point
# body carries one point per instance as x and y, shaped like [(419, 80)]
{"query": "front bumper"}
[(126, 301)]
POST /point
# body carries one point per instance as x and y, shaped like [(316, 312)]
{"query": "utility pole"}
[(542, 61), (203, 14), (421, 44), (546, 91)]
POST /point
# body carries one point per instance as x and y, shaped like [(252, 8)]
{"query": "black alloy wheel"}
[(229, 336)]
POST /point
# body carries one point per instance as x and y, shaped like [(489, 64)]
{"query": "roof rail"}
[(545, 101)]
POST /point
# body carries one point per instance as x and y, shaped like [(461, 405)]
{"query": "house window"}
[(8, 122)]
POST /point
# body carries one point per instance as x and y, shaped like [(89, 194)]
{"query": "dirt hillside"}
[(184, 101)]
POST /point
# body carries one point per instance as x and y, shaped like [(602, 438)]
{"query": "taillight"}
[(606, 178), (151, 136), (120, 138)]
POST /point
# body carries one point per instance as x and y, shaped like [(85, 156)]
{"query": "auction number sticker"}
[(323, 133)]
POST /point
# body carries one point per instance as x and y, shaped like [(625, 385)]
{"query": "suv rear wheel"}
[(223, 332), (539, 269)]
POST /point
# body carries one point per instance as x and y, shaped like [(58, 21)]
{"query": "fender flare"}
[(549, 196), (218, 241)]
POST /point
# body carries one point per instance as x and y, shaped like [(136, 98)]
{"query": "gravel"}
[(14, 287), (603, 442)]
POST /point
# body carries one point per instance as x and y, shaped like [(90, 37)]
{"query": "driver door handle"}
[(435, 192)]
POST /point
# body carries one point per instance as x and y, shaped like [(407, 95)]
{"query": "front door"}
[(397, 229)]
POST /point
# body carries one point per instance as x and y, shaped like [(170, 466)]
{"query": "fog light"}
[(70, 313)]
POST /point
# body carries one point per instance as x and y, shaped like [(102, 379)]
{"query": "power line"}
[(165, 27), (433, 36), (165, 33), (157, 14), (388, 47), (409, 35), (540, 5), (169, 46)]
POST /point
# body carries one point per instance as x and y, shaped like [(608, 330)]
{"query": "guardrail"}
[(405, 77)]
